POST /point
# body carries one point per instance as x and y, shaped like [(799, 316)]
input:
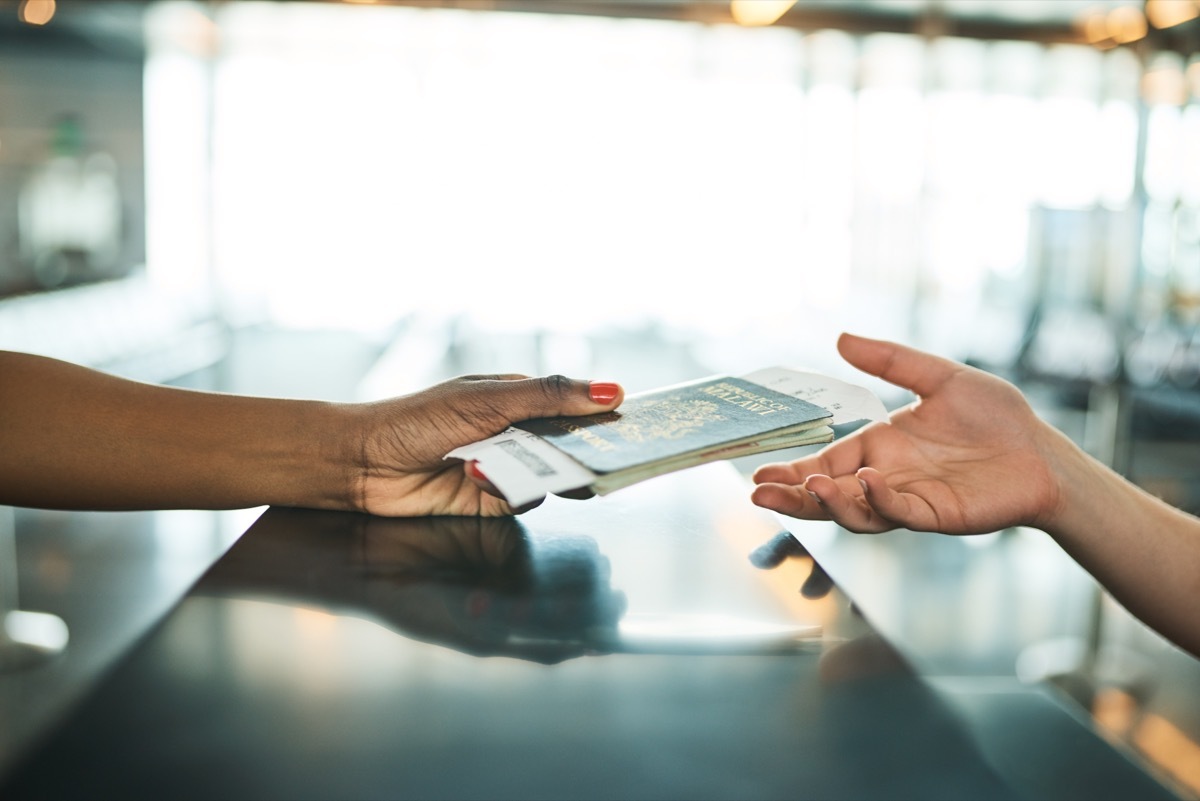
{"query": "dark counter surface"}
[(641, 645)]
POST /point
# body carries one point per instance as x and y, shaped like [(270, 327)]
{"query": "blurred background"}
[(1015, 183), (348, 200)]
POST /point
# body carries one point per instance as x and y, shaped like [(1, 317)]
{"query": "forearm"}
[(75, 438), (1144, 551)]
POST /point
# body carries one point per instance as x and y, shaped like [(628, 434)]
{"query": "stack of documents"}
[(669, 429)]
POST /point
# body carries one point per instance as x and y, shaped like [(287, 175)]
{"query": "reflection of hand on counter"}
[(862, 674), (784, 546), (477, 585), (853, 659)]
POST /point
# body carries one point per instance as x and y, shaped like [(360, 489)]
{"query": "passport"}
[(674, 427)]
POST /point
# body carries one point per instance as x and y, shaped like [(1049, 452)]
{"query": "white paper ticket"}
[(849, 403), (526, 468)]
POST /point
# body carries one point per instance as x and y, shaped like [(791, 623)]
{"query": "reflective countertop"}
[(666, 641)]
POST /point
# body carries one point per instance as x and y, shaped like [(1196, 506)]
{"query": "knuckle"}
[(557, 387)]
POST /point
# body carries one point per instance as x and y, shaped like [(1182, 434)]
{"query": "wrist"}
[(345, 444), (315, 460), (1079, 480)]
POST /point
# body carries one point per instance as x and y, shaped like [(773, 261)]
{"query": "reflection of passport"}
[(696, 422)]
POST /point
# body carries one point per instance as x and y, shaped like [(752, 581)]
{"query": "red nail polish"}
[(603, 391), (473, 469)]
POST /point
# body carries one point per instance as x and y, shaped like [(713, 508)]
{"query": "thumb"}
[(920, 372), (519, 399)]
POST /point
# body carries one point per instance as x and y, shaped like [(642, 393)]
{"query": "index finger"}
[(840, 458)]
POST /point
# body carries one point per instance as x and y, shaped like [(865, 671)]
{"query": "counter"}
[(660, 642)]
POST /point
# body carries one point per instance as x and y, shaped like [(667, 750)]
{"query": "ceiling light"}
[(1095, 27), (1126, 24), (36, 12), (759, 12), (1168, 13)]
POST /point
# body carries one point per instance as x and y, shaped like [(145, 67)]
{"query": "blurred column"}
[(26, 638), (182, 40)]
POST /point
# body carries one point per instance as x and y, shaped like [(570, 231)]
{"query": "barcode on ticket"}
[(535, 463)]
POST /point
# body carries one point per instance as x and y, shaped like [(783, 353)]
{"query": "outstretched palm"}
[(935, 466)]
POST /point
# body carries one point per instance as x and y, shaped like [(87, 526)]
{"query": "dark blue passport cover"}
[(674, 421)]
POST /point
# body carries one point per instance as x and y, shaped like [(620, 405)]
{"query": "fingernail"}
[(815, 497), (473, 469), (863, 484), (603, 391)]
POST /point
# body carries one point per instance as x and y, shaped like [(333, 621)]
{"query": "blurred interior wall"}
[(719, 181), (752, 192), (72, 198)]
